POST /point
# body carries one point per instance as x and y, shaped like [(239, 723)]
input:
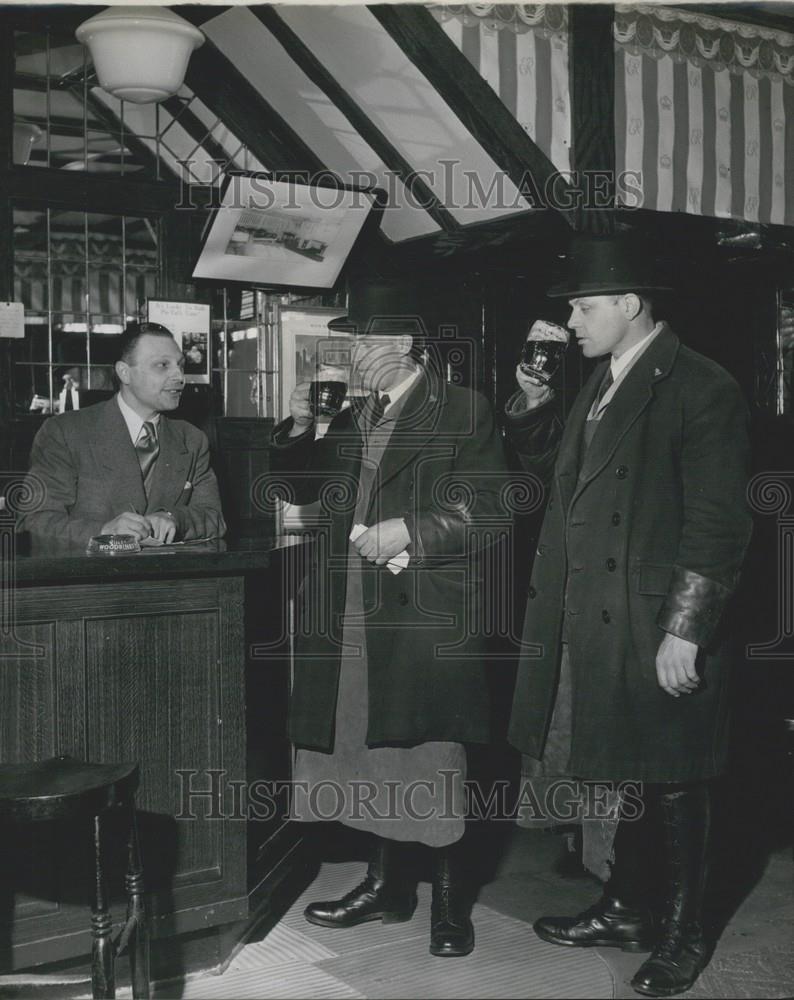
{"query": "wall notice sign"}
[(189, 322), (12, 320)]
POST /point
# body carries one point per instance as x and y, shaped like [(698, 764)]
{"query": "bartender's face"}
[(600, 323), (380, 361), (154, 379)]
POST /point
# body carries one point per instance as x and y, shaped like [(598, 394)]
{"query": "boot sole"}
[(644, 991), (386, 918), (456, 953), (631, 946)]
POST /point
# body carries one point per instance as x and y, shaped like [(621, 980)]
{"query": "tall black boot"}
[(681, 952), (451, 929), (388, 892), (621, 918)]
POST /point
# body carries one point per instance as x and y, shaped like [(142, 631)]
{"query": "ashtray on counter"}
[(112, 545)]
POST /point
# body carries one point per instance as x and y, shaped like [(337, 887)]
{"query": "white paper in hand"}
[(396, 563)]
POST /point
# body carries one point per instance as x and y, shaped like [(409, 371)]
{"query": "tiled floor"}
[(753, 958)]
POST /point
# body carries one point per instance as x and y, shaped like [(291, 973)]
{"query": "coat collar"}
[(416, 424), (627, 404)]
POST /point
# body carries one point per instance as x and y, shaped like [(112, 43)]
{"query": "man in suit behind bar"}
[(121, 466)]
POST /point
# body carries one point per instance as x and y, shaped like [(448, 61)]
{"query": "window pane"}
[(67, 235), (31, 389), (140, 285), (69, 340), (67, 287)]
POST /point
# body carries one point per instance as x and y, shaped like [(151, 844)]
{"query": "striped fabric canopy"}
[(704, 107)]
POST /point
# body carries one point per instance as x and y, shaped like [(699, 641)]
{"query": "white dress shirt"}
[(133, 421), (400, 389), (620, 368)]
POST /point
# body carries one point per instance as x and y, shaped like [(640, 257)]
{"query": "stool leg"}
[(136, 917), (102, 964)]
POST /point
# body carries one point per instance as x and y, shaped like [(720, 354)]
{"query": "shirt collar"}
[(619, 365), (133, 421), (400, 389)]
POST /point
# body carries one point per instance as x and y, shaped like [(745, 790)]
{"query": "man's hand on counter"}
[(163, 526), (128, 523), (159, 528)]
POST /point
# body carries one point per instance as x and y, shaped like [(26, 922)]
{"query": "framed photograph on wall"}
[(189, 322), (282, 234)]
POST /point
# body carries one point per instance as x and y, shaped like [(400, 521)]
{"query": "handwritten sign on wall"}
[(189, 322)]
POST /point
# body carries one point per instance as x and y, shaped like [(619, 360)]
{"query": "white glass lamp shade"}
[(140, 53), (25, 137)]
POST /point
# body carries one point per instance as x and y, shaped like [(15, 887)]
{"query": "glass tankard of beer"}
[(543, 350), (328, 390)]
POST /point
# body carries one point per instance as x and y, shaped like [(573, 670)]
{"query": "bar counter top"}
[(50, 562)]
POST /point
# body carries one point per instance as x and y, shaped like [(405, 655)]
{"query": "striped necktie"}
[(147, 448), (606, 384)]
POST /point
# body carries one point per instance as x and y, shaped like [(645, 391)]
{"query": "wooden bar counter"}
[(147, 657)]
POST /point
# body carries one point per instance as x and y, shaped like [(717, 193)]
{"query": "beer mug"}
[(328, 390), (543, 350)]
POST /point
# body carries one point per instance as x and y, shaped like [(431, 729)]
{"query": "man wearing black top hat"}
[(639, 552), (390, 675)]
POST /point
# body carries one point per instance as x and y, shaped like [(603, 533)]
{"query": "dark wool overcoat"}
[(647, 535), (443, 471)]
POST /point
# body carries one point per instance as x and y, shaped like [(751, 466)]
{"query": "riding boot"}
[(621, 918), (451, 930), (388, 893), (681, 951)]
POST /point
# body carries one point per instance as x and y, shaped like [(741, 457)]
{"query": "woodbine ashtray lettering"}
[(112, 545)]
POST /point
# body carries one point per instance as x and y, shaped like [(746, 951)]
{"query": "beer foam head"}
[(542, 329), (330, 373)]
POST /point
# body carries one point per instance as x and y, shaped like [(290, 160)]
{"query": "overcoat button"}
[(616, 518), (607, 617), (541, 549), (622, 471), (403, 599), (532, 593), (611, 565)]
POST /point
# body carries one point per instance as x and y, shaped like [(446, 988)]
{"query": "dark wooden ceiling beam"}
[(394, 161), (227, 93), (592, 75), (91, 192), (424, 42)]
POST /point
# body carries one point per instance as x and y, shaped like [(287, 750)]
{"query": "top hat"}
[(381, 308), (611, 265)]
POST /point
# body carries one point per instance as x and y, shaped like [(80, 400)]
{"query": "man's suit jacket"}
[(89, 469), (644, 533), (442, 471)]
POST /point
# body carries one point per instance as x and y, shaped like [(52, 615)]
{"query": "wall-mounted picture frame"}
[(274, 232), (189, 322)]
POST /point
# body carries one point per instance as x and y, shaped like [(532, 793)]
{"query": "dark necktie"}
[(147, 448), (376, 411), (68, 402), (606, 383)]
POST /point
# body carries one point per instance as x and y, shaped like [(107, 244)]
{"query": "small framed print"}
[(189, 322)]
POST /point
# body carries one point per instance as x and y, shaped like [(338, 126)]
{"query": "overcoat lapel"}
[(571, 444), (414, 429), (631, 398), (171, 468), (114, 451)]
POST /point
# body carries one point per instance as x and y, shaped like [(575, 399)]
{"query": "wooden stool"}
[(66, 789)]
